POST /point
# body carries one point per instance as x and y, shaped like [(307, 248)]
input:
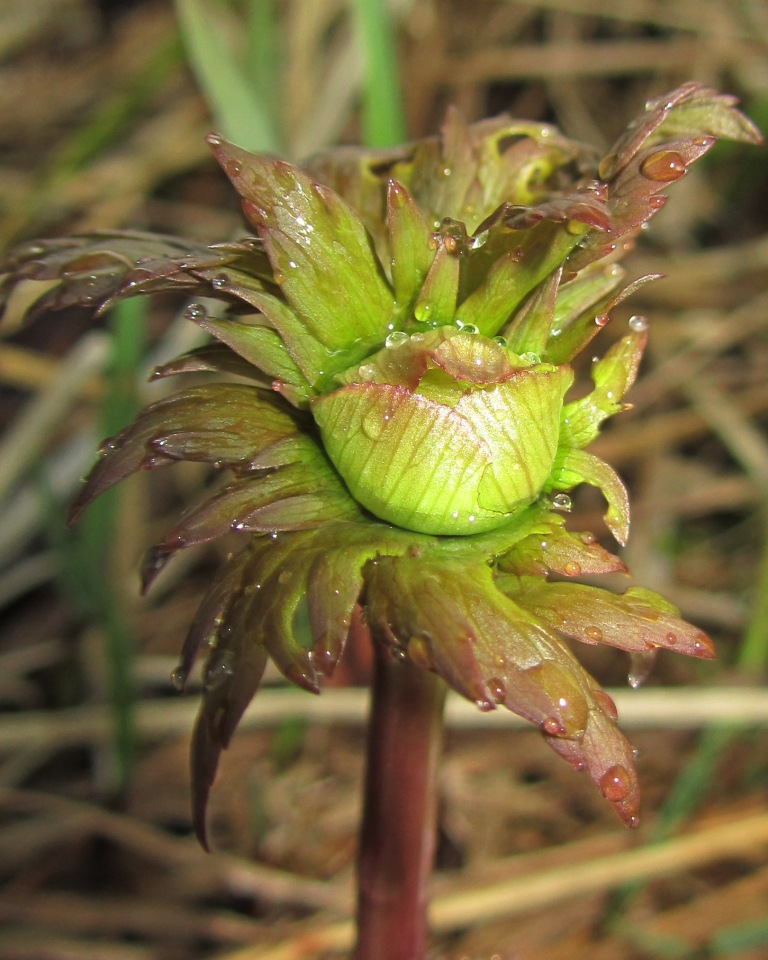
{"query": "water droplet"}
[(663, 166), (396, 338), (641, 664), (530, 358), (657, 202), (637, 324), (562, 502), (195, 312), (602, 319), (497, 689), (367, 372), (552, 727), (179, 679), (214, 139), (467, 327), (292, 264), (220, 281), (588, 537), (671, 639), (422, 311), (218, 669), (616, 783), (373, 423), (501, 341), (594, 634), (606, 704), (572, 569), (446, 172), (703, 141)]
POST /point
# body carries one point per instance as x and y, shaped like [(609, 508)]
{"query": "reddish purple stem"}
[(397, 841)]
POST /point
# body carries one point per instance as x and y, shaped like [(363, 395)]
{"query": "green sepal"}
[(411, 247), (435, 304), (318, 247), (530, 330), (265, 350), (573, 467), (612, 376)]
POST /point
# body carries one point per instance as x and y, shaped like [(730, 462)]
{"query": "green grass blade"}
[(383, 117), (233, 98)]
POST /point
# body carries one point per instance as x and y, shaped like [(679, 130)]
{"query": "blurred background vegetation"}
[(104, 106)]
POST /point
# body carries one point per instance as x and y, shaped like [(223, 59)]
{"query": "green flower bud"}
[(458, 444)]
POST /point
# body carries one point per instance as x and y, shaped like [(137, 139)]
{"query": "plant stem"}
[(397, 840)]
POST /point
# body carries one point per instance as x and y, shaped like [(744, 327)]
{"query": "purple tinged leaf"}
[(451, 619), (263, 348), (211, 358), (220, 413), (551, 548), (690, 110), (635, 621), (606, 755), (232, 676)]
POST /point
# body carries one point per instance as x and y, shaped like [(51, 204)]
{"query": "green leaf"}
[(612, 376), (436, 302), (233, 96), (578, 466), (321, 255), (410, 245)]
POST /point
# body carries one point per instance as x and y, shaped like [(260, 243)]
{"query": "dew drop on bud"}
[(195, 312), (552, 727), (606, 704), (467, 327), (572, 569), (497, 689), (594, 634), (562, 502), (396, 338), (615, 783), (641, 664), (663, 166), (530, 358), (601, 319), (637, 324), (501, 341), (220, 281), (179, 678), (670, 639)]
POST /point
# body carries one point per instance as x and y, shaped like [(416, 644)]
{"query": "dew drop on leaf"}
[(195, 312), (572, 569), (220, 281), (615, 783), (638, 324), (562, 502), (497, 689), (552, 727), (606, 704), (663, 166), (179, 678), (595, 634)]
